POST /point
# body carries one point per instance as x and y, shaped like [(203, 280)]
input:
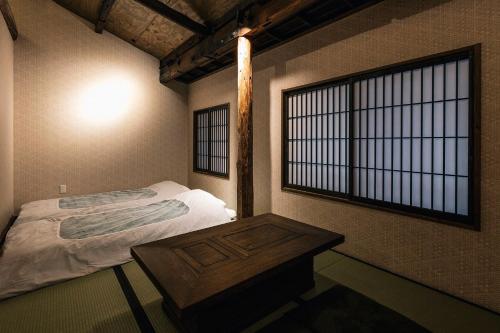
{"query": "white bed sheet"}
[(35, 255), (49, 209)]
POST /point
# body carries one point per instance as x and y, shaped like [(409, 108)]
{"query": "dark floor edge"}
[(3, 233), (135, 305), (420, 284)]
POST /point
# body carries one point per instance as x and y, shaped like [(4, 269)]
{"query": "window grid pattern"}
[(411, 137), (211, 141), (398, 138), (318, 126)]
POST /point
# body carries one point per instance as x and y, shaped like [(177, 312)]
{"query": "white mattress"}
[(35, 255), (49, 209)]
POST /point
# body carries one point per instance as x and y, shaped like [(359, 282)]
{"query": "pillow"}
[(168, 188)]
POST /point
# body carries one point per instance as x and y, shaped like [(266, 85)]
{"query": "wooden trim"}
[(106, 7), (175, 16), (140, 316), (9, 18), (475, 129), (284, 141), (195, 139), (377, 206), (3, 234), (472, 221)]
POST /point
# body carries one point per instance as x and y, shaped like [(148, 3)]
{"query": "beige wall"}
[(58, 59), (462, 262), (6, 124), (218, 89)]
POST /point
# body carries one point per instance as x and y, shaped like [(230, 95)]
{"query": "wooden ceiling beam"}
[(255, 19), (106, 6), (175, 16), (274, 36), (9, 18), (191, 42)]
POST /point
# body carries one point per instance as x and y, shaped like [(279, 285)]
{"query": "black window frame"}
[(208, 171), (472, 220)]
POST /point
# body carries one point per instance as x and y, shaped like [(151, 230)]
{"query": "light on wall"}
[(106, 100)]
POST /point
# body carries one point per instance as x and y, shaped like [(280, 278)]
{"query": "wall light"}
[(106, 100)]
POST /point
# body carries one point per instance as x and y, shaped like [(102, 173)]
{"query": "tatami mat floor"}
[(96, 303)]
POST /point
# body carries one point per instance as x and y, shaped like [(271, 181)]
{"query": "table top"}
[(198, 267)]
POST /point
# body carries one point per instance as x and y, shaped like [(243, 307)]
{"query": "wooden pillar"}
[(245, 129), (9, 18)]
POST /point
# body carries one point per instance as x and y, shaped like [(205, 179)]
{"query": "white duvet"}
[(49, 209), (35, 255)]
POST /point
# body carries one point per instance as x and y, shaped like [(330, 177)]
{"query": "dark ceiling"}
[(308, 20), (146, 29), (142, 24)]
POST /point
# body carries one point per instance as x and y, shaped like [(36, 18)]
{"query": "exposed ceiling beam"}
[(106, 6), (255, 19), (274, 36), (189, 43), (175, 16), (200, 8), (9, 18), (241, 6)]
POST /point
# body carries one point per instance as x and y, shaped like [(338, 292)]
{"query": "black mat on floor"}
[(341, 309)]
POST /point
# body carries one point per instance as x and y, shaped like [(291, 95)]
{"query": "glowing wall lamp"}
[(104, 101)]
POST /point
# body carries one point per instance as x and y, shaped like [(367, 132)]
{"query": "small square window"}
[(211, 141)]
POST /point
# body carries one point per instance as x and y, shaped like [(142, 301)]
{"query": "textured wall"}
[(218, 89), (59, 60), (462, 262), (6, 124)]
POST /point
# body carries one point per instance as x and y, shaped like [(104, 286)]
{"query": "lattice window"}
[(400, 137), (318, 126), (211, 141)]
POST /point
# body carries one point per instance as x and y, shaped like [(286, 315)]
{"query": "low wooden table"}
[(224, 278)]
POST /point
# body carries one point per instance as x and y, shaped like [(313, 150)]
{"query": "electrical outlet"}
[(62, 189)]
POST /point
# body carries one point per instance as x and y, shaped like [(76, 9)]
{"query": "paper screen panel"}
[(211, 140)]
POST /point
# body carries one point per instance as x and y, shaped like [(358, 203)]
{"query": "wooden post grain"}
[(9, 18), (106, 6), (245, 129)]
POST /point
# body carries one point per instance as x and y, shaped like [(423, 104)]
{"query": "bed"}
[(60, 239)]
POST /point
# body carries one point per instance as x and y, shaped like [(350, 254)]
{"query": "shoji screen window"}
[(411, 137), (211, 141), (318, 127), (406, 135)]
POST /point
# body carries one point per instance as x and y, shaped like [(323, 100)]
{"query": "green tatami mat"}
[(97, 303), (93, 303), (151, 300), (149, 297), (341, 310), (433, 310)]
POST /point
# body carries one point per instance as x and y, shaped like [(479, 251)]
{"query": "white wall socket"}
[(62, 189)]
